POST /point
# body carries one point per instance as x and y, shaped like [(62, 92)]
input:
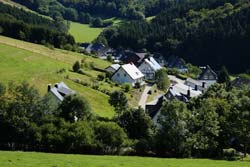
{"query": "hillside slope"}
[(40, 66)]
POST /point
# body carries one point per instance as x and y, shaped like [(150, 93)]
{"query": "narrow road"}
[(144, 96)]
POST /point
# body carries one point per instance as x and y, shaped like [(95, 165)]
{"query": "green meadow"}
[(83, 32), (40, 66), (32, 159)]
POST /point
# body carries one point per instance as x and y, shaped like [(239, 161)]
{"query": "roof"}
[(240, 82), (205, 70), (196, 82), (56, 93), (132, 71), (175, 62), (115, 66), (152, 63), (60, 90), (129, 56), (181, 89)]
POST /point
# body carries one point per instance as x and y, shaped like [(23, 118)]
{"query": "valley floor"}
[(31, 159)]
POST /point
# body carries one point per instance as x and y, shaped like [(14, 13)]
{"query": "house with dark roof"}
[(128, 56), (60, 90), (208, 76), (128, 73), (177, 63), (177, 91), (148, 67), (160, 59), (240, 82)]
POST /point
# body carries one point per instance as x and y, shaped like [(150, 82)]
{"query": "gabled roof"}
[(129, 56), (181, 89), (206, 70), (175, 62), (60, 90), (240, 82), (115, 66), (152, 63), (132, 71)]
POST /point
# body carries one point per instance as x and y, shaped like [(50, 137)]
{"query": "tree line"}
[(204, 127), (20, 24), (201, 33)]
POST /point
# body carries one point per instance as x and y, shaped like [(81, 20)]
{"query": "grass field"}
[(21, 159), (39, 66), (83, 32)]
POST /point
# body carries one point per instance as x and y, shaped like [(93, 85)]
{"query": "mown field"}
[(31, 159), (83, 32), (39, 66)]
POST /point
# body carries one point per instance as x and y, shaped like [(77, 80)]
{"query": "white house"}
[(196, 84), (128, 73), (60, 90), (208, 76), (112, 68), (148, 67)]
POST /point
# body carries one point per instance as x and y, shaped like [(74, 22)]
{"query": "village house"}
[(148, 67), (177, 91), (128, 73), (177, 63), (208, 76), (94, 48), (160, 59), (60, 90), (196, 84), (129, 56), (112, 68), (240, 82)]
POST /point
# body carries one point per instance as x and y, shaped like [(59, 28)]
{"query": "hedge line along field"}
[(39, 66), (32, 159)]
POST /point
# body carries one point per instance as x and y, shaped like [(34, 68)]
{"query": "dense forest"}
[(211, 34), (20, 24)]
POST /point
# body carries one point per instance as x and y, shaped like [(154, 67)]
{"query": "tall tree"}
[(119, 100)]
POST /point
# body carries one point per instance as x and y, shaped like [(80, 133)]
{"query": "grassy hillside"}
[(40, 65), (83, 32), (20, 159)]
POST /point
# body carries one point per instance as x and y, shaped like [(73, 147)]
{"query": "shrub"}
[(126, 87), (76, 67), (100, 77), (230, 154), (137, 85)]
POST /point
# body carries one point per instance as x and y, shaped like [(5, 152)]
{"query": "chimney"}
[(196, 87), (188, 93), (203, 84), (49, 87)]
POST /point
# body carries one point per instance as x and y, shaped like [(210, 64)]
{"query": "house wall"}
[(209, 82), (122, 77), (147, 70), (192, 85)]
